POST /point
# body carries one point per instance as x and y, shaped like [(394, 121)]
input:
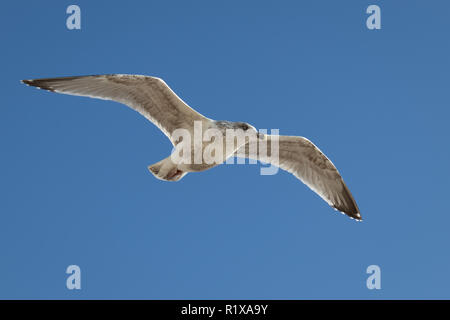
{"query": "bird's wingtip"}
[(355, 216), (38, 83), (352, 214), (29, 82)]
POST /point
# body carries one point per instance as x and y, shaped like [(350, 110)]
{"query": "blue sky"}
[(75, 189)]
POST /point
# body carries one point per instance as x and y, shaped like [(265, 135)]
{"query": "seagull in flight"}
[(153, 99)]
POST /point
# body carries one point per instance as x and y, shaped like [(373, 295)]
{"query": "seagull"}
[(153, 98)]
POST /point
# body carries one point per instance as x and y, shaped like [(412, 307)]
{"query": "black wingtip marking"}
[(349, 207), (355, 215), (40, 84)]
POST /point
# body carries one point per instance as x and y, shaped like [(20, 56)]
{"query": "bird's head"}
[(247, 128)]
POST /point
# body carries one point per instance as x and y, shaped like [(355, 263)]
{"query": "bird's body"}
[(152, 98), (170, 170)]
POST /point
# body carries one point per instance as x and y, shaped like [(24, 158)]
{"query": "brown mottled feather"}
[(304, 160)]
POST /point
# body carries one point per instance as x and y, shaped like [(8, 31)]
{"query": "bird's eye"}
[(245, 127)]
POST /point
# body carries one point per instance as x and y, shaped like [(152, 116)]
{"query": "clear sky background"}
[(74, 185)]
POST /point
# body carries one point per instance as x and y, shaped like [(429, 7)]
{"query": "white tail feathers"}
[(166, 170)]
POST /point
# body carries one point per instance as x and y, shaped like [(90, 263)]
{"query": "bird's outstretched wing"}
[(304, 160), (149, 96)]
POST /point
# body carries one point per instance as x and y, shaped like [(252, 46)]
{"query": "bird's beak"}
[(260, 136)]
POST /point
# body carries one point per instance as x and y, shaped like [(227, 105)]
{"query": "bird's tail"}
[(166, 170)]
